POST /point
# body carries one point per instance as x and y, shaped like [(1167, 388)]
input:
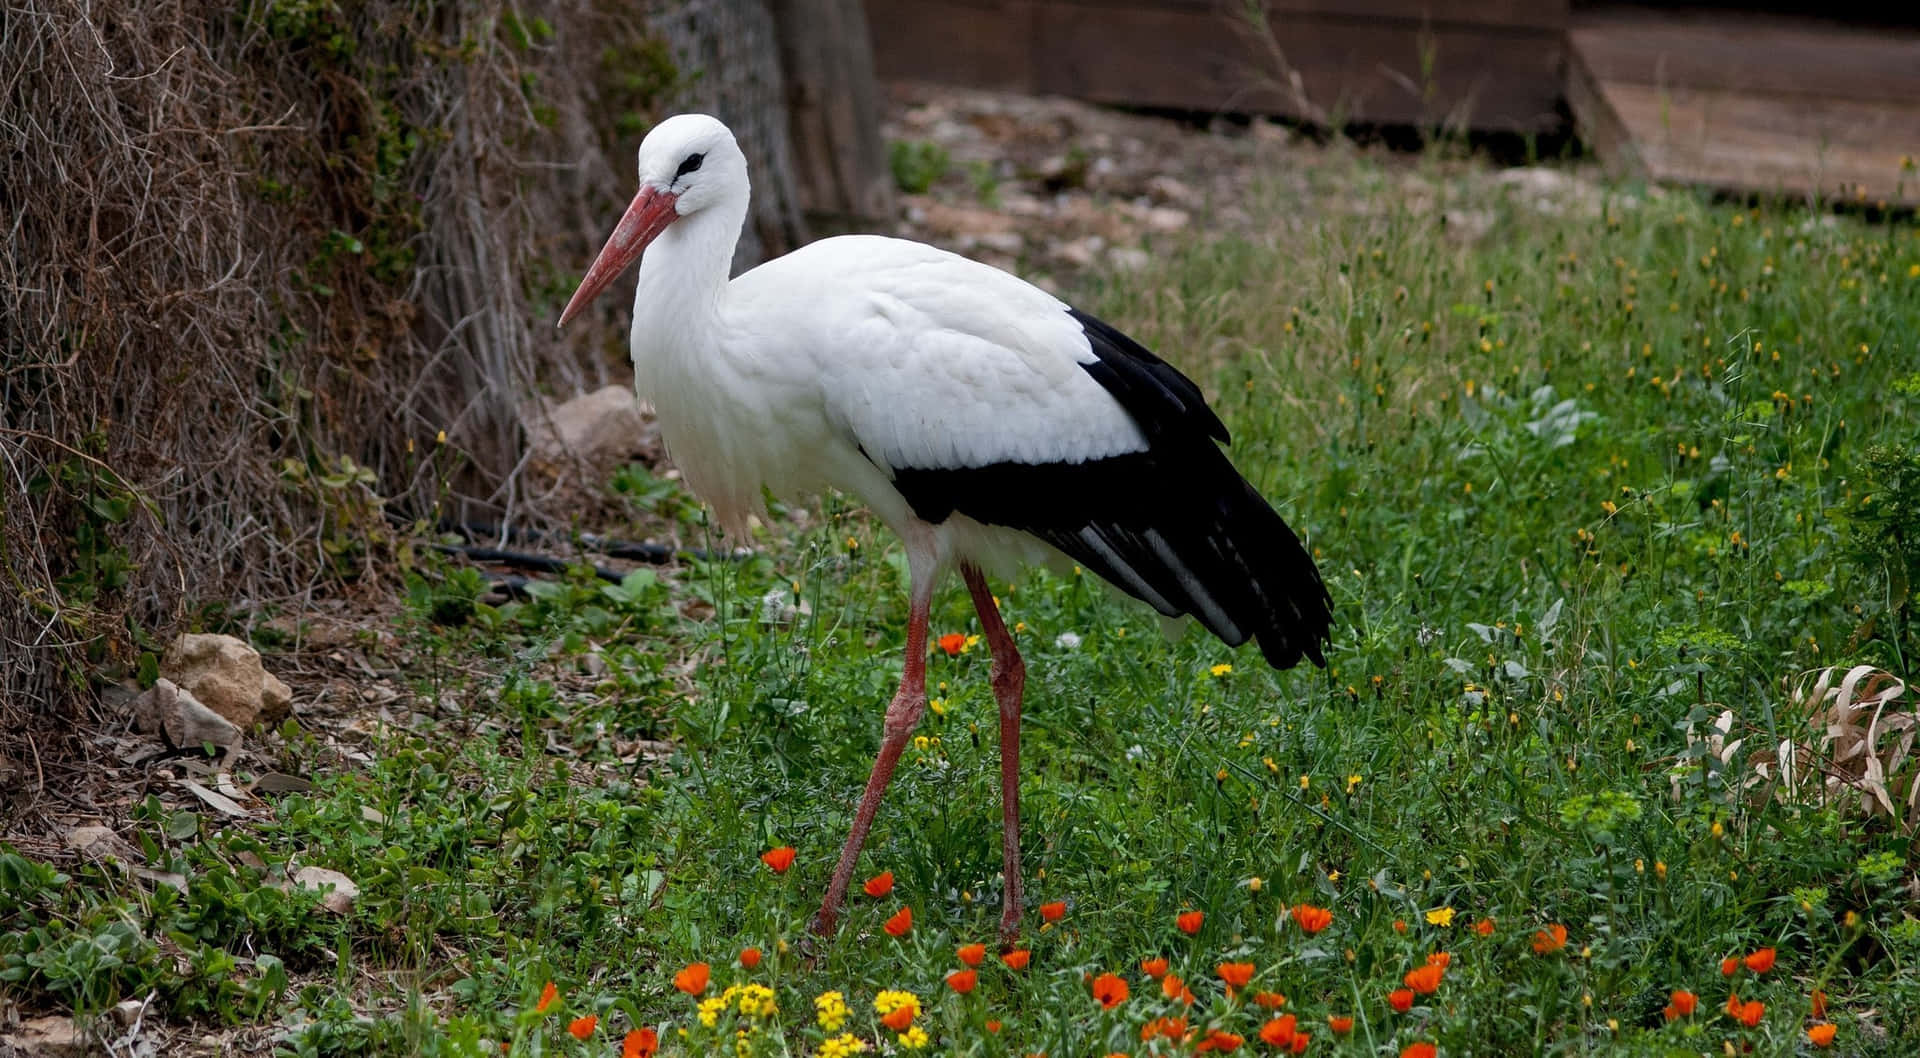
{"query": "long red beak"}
[(645, 219)]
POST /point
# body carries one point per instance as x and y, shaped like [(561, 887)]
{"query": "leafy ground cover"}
[(1586, 474)]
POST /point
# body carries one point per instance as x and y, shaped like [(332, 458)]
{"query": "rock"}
[(1167, 190), (340, 890), (226, 675), (182, 721), (1166, 218), (1467, 225), (961, 221), (1080, 252), (600, 429), (49, 1037), (1007, 242), (128, 1012)]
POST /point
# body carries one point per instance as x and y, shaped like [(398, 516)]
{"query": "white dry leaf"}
[(337, 890), (1864, 756)]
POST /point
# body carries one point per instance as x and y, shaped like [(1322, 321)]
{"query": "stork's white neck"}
[(683, 274)]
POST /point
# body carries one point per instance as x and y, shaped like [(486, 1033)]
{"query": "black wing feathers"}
[(1175, 525)]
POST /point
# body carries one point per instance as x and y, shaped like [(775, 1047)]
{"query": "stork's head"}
[(688, 163)]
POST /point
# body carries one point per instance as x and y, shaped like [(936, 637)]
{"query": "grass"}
[(1579, 485)]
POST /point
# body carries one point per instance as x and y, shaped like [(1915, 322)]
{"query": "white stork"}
[(981, 418)]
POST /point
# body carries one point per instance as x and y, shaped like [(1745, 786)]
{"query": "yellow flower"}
[(756, 1001), (843, 1046), (710, 1009), (972, 641), (1353, 782), (913, 1039), (1440, 916), (1221, 669), (938, 705), (831, 1010), (1306, 781)]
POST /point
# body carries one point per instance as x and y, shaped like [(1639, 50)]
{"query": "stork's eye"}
[(693, 162)]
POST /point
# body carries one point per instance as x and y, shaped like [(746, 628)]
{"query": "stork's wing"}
[(982, 394)]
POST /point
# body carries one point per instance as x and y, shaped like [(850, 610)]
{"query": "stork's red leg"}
[(902, 714), (1009, 683)]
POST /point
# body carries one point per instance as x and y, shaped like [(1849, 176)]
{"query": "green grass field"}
[(1579, 485)]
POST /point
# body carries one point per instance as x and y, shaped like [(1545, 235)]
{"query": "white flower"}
[(1067, 641)]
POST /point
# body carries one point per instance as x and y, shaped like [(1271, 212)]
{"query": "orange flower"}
[(750, 957), (971, 954), (1819, 1000), (1312, 919), (1173, 987), (1760, 961), (1399, 925), (1300, 1041), (583, 1027), (640, 1043), (693, 979), (1484, 927), (1189, 921), (879, 885), (1421, 1049), (900, 923), (993, 1024), (779, 859), (1440, 958), (1270, 1000), (1054, 911), (1340, 1025), (1170, 1028), (953, 643), (1684, 1002), (899, 1017), (547, 996), (1730, 966), (1401, 1000), (1218, 1040), (962, 981), (1821, 1035), (1017, 959), (1745, 1012), (1235, 974), (1549, 940), (1278, 1032), (1425, 979), (1154, 967), (1110, 990)]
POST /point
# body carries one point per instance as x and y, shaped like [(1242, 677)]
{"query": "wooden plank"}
[(1534, 14), (978, 43), (1357, 71), (1836, 148), (1747, 53), (1734, 101), (1204, 56)]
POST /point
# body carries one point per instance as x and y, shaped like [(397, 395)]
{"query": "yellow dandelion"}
[(1440, 916)]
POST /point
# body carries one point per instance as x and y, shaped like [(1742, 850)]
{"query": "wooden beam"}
[(1428, 64)]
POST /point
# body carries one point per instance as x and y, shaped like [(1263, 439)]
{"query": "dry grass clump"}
[(274, 274), (1857, 754), (1864, 760)]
